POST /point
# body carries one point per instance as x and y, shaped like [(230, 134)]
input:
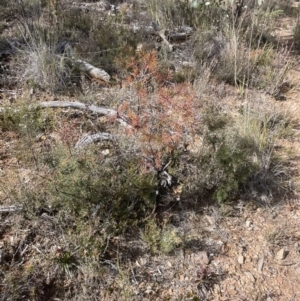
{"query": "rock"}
[(211, 220), (260, 265), (250, 276), (203, 257), (282, 254), (249, 224), (241, 259)]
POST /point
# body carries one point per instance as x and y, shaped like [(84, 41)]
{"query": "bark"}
[(94, 138), (92, 71), (82, 106), (10, 208)]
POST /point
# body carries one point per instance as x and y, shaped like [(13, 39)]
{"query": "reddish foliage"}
[(164, 120)]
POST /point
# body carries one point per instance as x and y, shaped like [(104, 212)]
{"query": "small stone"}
[(250, 276), (249, 224), (282, 254), (169, 264), (241, 259), (203, 257), (211, 220), (260, 265), (105, 152)]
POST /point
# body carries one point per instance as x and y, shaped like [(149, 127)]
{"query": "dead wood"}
[(77, 105), (161, 34), (80, 106), (94, 138), (64, 48), (94, 109), (92, 71), (178, 37), (10, 208)]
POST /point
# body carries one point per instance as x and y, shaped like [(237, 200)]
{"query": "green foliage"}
[(151, 235), (113, 185), (25, 120), (173, 13), (161, 239), (76, 20), (238, 155), (169, 240), (67, 261)]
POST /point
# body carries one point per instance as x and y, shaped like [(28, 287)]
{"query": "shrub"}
[(234, 60), (161, 239), (25, 120), (239, 154), (170, 14), (40, 67), (112, 187), (285, 6)]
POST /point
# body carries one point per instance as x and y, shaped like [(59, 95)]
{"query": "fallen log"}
[(94, 109), (77, 105), (92, 71), (80, 106), (64, 48)]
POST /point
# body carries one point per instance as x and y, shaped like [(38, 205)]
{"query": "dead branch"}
[(178, 37), (10, 208), (94, 138), (77, 105), (82, 106), (161, 34), (92, 71)]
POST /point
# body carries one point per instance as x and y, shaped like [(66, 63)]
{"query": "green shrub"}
[(171, 13), (238, 155), (112, 186), (29, 121)]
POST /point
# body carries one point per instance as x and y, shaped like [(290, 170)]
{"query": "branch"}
[(180, 36), (10, 208), (94, 138), (161, 34), (82, 106), (65, 48), (77, 105), (93, 71)]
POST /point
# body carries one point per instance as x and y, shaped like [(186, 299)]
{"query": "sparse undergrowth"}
[(184, 138)]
